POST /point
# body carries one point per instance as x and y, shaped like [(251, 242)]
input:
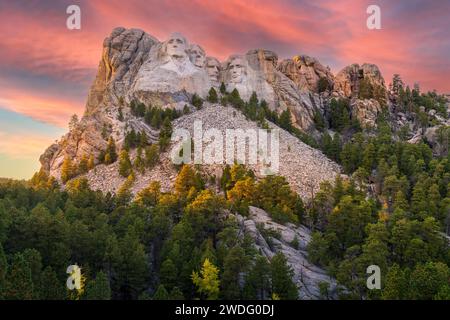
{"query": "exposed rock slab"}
[(306, 275)]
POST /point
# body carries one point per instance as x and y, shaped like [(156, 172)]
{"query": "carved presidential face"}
[(236, 70), (213, 69), (176, 46), (197, 56)]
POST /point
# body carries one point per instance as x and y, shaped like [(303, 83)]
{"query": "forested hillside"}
[(179, 245)]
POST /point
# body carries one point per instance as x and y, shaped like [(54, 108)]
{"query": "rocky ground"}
[(304, 167)]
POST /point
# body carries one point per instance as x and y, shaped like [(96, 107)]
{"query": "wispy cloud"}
[(23, 146)]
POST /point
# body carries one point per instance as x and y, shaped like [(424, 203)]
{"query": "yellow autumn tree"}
[(150, 195), (207, 281), (67, 170)]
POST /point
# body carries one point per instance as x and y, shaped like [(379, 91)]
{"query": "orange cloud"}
[(23, 145), (53, 110)]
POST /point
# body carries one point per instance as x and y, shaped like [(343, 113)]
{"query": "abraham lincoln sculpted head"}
[(213, 68), (236, 69)]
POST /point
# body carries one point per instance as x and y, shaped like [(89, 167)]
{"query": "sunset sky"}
[(46, 69)]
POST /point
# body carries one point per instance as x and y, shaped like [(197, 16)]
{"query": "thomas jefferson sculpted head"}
[(197, 55)]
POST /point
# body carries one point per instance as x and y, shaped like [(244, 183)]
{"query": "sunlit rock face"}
[(348, 80), (306, 72)]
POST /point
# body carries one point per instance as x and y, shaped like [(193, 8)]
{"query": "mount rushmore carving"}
[(176, 65)]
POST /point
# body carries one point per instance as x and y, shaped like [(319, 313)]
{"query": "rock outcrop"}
[(366, 111), (348, 80), (306, 72), (292, 241)]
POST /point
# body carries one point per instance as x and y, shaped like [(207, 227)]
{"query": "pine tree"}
[(369, 157), (223, 88), (365, 89), (165, 134), (50, 288), (83, 165), (91, 162), (133, 271), (225, 180), (285, 120), (336, 147), (156, 119), (67, 170), (151, 156), (427, 279), (176, 294), (168, 274), (3, 271), (258, 280), (110, 153), (197, 101), (139, 163), (73, 122), (34, 260), (397, 84), (207, 282), (212, 96), (161, 293), (282, 274), (99, 288), (124, 194), (234, 98), (419, 203), (323, 84), (124, 164), (143, 140), (235, 263), (19, 285), (150, 195), (319, 120), (185, 180)]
